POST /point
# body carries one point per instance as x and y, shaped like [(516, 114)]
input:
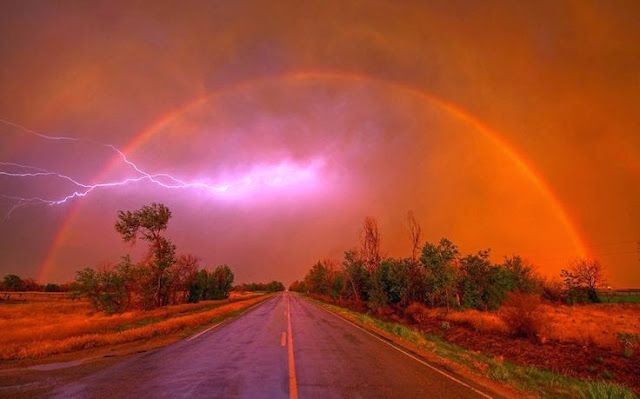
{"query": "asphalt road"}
[(286, 347)]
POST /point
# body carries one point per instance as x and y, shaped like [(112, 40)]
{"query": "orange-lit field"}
[(600, 325), (598, 341), (40, 329)]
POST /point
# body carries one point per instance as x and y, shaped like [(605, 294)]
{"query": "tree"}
[(520, 275), (274, 286), (317, 279), (337, 285), (50, 287), (298, 286), (147, 223), (357, 276), (584, 274), (198, 286), (161, 278), (441, 273), (131, 276), (475, 280), (13, 282), (370, 245), (219, 282), (30, 284), (183, 273), (415, 235), (393, 276)]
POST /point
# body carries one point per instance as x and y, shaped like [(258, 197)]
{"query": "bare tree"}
[(370, 244), (587, 273), (415, 234), (330, 264)]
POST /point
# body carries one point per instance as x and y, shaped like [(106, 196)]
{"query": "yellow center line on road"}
[(293, 385), (283, 339)]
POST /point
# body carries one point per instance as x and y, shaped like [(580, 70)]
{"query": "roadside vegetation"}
[(165, 295), (41, 329), (502, 310), (161, 278)]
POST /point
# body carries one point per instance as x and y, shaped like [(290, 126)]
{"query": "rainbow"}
[(496, 138)]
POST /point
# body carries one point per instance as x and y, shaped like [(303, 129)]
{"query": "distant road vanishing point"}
[(285, 347)]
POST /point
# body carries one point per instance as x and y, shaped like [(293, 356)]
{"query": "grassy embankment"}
[(530, 380), (33, 330)]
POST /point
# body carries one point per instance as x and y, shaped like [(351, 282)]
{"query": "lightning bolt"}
[(274, 175)]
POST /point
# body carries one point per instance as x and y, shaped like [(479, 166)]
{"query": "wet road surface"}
[(285, 347)]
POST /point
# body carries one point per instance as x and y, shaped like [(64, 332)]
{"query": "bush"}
[(417, 312), (52, 288), (105, 289), (377, 298), (12, 282), (554, 291), (523, 315)]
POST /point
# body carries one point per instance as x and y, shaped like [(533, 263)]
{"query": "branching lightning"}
[(278, 175)]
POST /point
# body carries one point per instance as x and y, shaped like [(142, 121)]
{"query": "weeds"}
[(604, 390), (498, 372)]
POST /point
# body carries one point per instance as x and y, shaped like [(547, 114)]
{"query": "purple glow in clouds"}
[(254, 181)]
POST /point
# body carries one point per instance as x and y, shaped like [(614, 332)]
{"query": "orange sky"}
[(507, 125)]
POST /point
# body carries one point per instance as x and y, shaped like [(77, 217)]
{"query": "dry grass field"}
[(40, 329), (597, 341), (602, 325)]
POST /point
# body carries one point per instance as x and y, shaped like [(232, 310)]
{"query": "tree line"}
[(439, 275), (161, 278), (15, 283), (274, 286)]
